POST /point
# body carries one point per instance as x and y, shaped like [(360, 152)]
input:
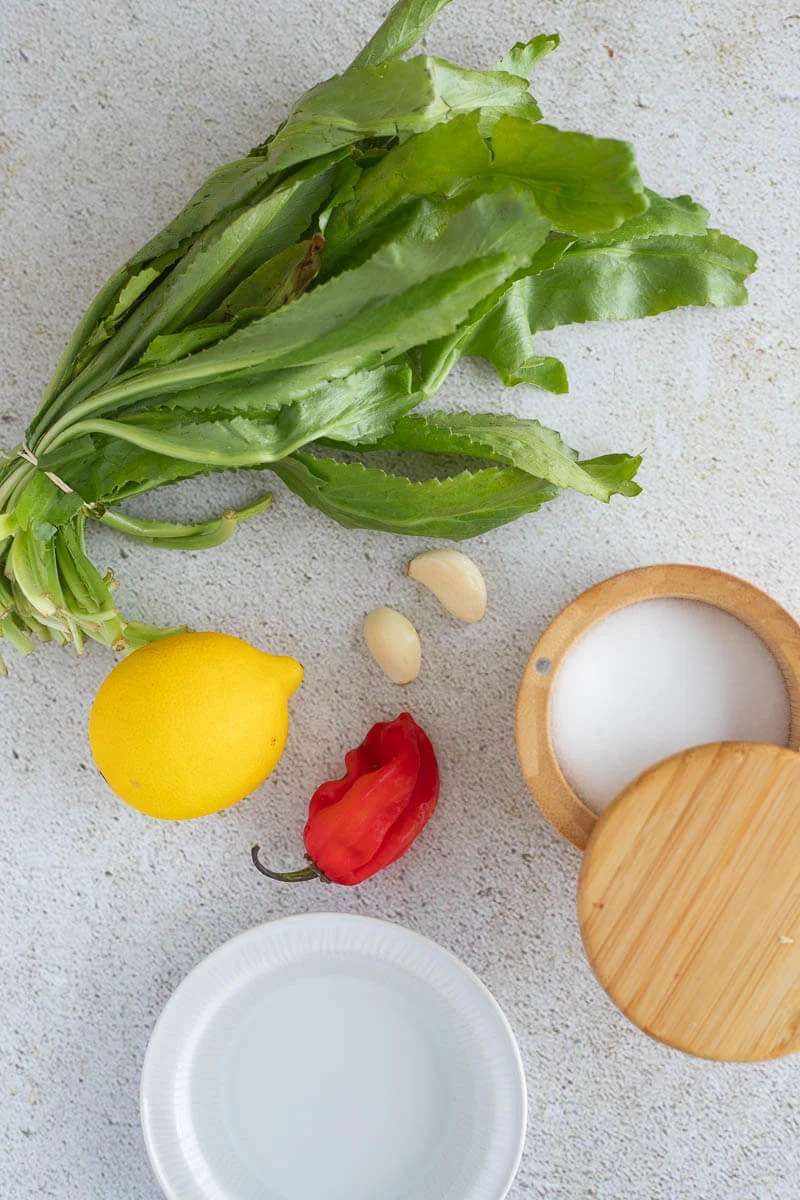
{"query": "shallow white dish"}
[(333, 1056)]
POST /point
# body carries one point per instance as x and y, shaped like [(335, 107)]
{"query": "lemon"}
[(191, 723)]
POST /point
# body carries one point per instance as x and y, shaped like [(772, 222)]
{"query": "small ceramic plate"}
[(333, 1056)]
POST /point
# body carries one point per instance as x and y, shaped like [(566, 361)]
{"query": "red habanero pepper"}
[(363, 822)]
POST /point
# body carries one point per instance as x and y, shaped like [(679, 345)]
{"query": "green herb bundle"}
[(408, 213)]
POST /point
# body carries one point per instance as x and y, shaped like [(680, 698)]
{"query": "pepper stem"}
[(309, 872)]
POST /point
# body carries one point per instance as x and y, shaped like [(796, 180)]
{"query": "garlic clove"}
[(454, 579), (394, 644)]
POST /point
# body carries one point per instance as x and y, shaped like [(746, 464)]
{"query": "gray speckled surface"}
[(111, 114)]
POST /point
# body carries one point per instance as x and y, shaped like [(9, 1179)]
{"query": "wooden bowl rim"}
[(540, 768)]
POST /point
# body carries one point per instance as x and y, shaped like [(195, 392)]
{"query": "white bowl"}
[(336, 1057)]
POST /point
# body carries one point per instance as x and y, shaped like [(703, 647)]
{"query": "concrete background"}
[(112, 113)]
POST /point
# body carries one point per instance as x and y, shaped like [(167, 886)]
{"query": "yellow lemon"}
[(191, 723)]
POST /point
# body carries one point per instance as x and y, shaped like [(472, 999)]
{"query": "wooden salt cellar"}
[(689, 891)]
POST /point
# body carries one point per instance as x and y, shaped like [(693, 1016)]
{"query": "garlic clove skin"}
[(454, 579), (394, 644)]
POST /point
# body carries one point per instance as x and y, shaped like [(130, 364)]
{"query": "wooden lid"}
[(777, 629), (689, 901)]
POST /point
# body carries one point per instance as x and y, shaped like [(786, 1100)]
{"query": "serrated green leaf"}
[(170, 347), (131, 293), (498, 330), (583, 184), (460, 90), (220, 258), (439, 162), (541, 371), (637, 279), (105, 470), (523, 56), (405, 24), (358, 408), (457, 508), (501, 437), (580, 183), (347, 177), (419, 287), (679, 217), (242, 394), (504, 338), (226, 190), (281, 278), (615, 472), (390, 100)]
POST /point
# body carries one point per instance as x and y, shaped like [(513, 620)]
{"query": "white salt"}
[(656, 678)]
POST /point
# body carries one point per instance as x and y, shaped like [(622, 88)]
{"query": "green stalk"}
[(10, 628), (8, 525), (79, 593), (27, 617), (22, 482), (95, 611), (56, 589), (6, 599), (91, 579), (169, 536), (43, 631), (145, 439), (21, 473), (26, 564), (138, 633)]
